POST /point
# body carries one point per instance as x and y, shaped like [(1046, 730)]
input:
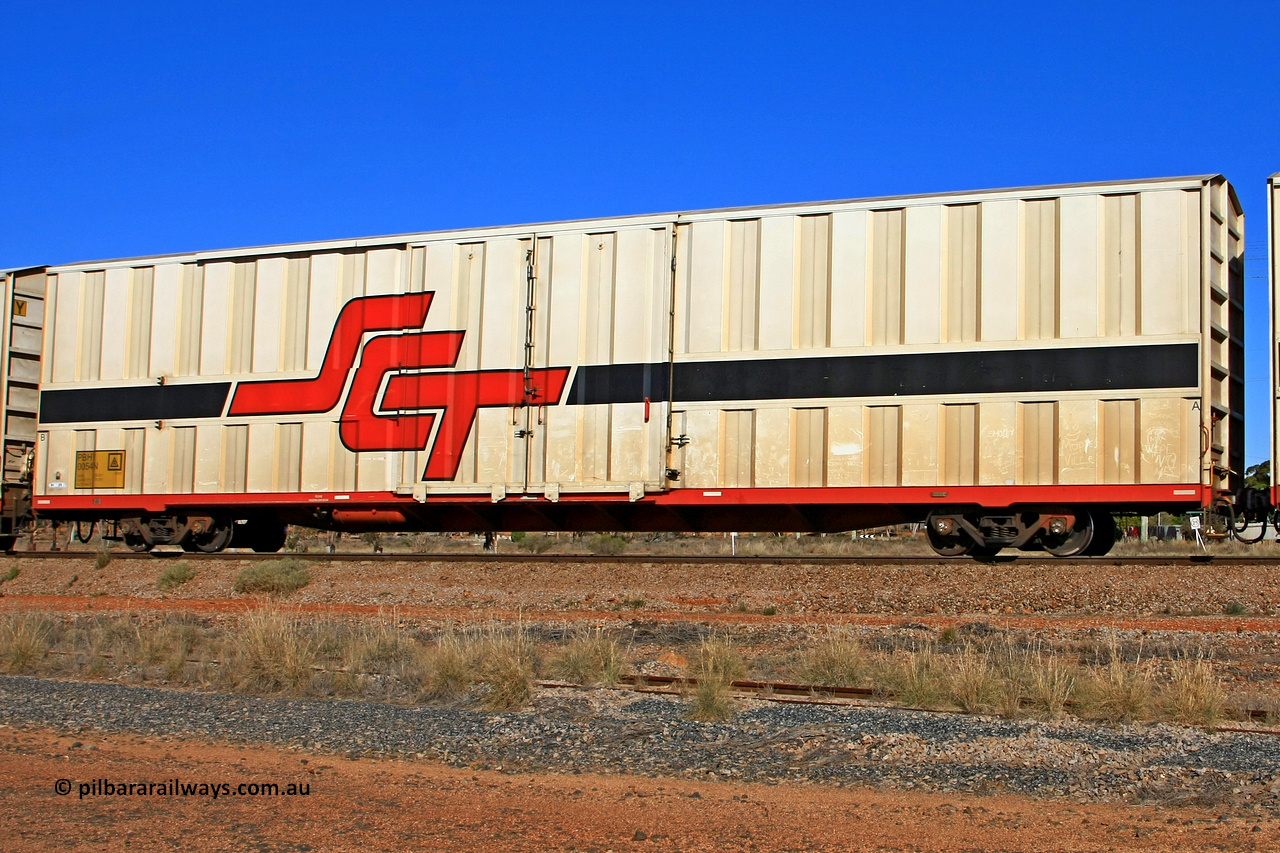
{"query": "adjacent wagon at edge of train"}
[(1011, 366), (1273, 345)]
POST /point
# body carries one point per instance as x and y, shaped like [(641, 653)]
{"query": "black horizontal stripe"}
[(1017, 371), (134, 403), (1026, 371)]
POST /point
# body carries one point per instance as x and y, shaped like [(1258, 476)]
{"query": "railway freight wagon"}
[(1008, 365), (1273, 279)]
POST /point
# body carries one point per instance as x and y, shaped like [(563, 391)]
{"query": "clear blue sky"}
[(134, 129)]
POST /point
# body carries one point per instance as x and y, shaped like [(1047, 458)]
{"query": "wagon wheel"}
[(211, 541), (1073, 542), (263, 537), (1104, 534), (273, 538), (954, 545)]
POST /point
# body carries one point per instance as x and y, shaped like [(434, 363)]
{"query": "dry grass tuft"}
[(496, 665), (272, 653), (381, 647), (716, 665), (1013, 668), (1030, 678), (718, 658), (508, 660), (973, 682), (1049, 686), (1194, 695), (378, 658), (115, 638), (164, 647), (837, 661), (591, 657), (1116, 692), (710, 701), (24, 641), (273, 577), (916, 679), (450, 669)]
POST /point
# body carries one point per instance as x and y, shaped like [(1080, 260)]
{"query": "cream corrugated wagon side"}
[(1010, 366)]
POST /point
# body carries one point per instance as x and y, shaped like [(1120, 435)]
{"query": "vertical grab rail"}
[(668, 472), (530, 393)]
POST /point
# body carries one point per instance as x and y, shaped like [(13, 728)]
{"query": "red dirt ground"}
[(131, 604), (397, 805), (383, 804)]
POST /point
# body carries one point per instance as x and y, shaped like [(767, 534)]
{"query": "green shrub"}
[(175, 576), (10, 575), (274, 577), (535, 544), (606, 545)]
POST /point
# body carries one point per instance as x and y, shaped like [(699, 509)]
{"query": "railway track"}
[(788, 692), (817, 694), (634, 559)]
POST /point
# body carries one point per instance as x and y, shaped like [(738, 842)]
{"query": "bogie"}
[(1062, 532)]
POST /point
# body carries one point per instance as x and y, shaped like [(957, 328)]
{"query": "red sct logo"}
[(395, 399)]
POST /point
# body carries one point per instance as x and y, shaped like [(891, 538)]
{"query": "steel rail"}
[(818, 694)]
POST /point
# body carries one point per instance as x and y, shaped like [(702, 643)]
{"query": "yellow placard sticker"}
[(19, 307), (100, 469)]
